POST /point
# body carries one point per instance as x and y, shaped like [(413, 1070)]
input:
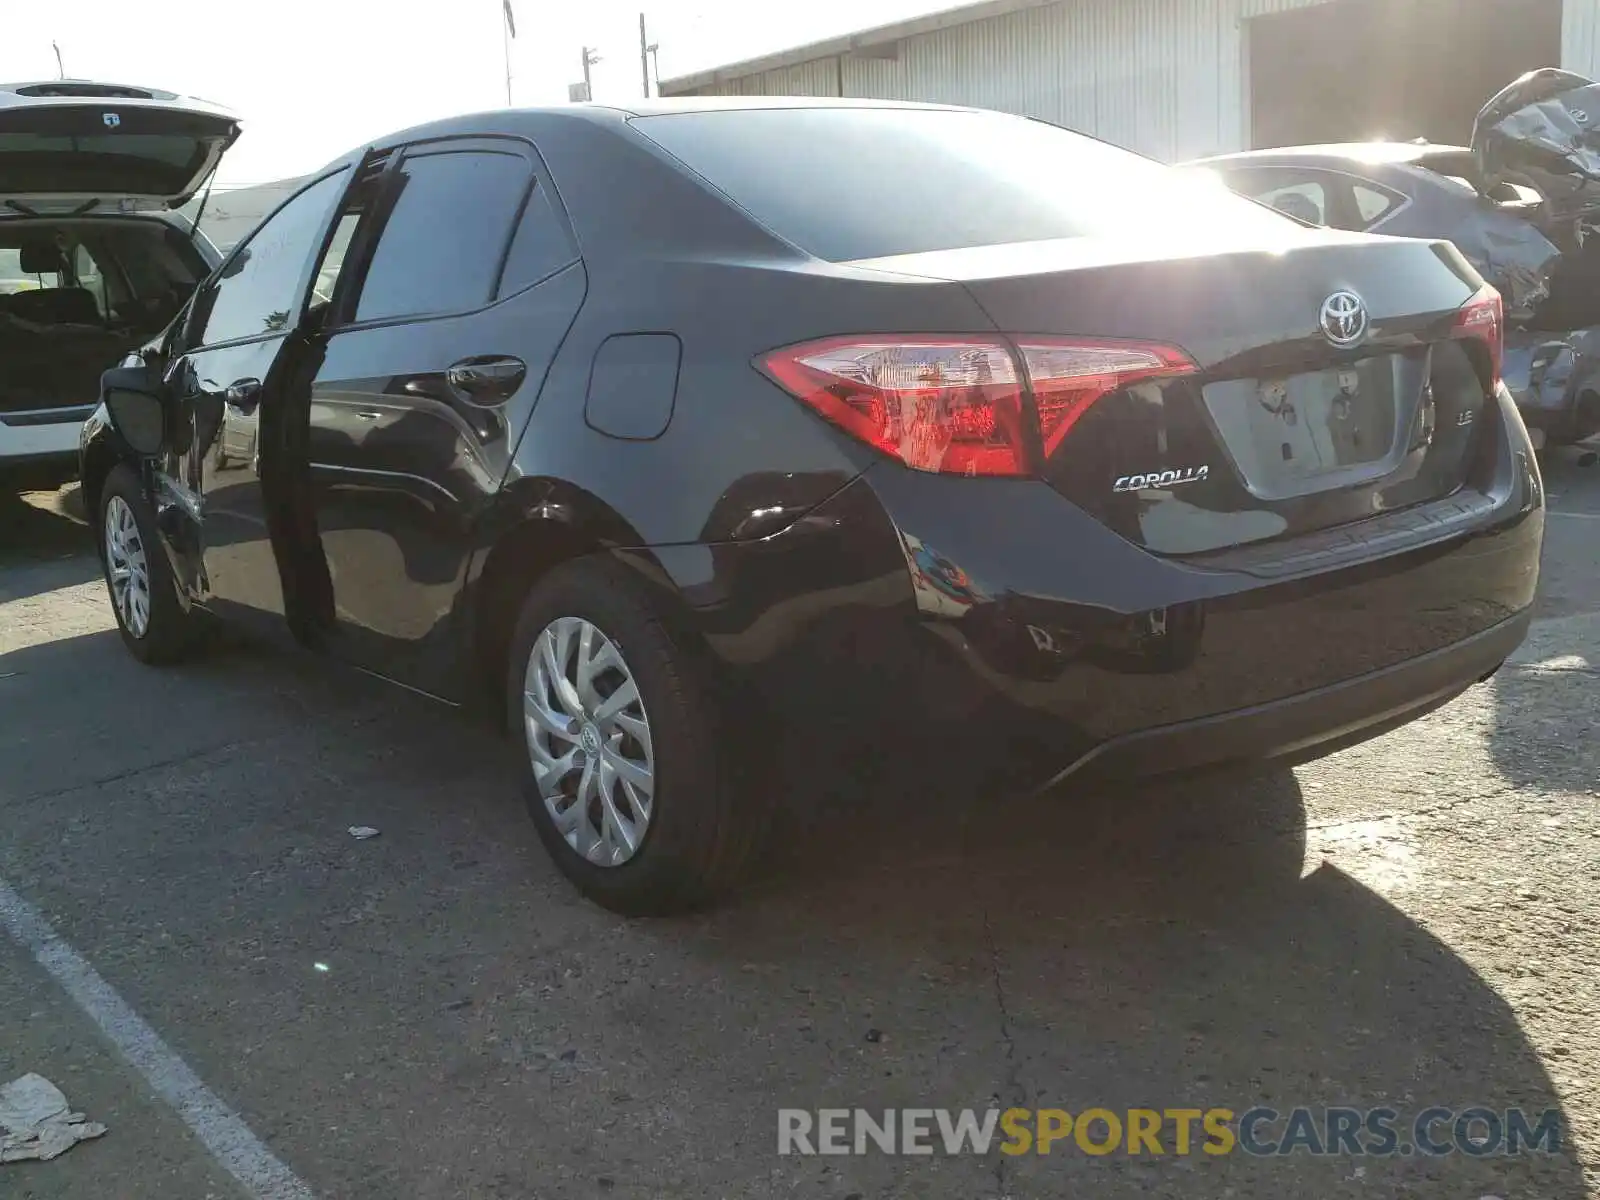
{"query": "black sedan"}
[(669, 427)]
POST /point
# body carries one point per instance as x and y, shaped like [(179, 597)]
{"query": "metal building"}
[(1177, 79)]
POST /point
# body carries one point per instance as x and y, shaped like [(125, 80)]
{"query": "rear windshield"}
[(153, 164), (853, 183)]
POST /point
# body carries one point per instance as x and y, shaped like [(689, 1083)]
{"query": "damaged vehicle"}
[(95, 257), (1521, 203), (678, 448)]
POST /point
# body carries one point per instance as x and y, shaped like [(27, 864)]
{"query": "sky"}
[(311, 79)]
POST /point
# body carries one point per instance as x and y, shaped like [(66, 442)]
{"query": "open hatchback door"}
[(75, 147), (95, 258)]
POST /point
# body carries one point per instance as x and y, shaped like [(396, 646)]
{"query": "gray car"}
[(1519, 204)]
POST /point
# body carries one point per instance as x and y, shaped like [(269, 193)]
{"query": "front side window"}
[(257, 292), (444, 241)]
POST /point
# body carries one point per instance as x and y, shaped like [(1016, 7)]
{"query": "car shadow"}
[(915, 939), (1158, 946), (1541, 710), (44, 543)]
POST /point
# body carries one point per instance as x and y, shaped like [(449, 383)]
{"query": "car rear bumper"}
[(994, 617), (41, 441), (1313, 723)]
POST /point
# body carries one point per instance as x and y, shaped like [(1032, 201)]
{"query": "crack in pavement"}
[(1012, 1079)]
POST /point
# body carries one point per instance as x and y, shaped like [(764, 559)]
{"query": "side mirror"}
[(132, 396)]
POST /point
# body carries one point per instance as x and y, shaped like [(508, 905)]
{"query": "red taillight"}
[(955, 404), (1483, 318), (1067, 375), (935, 403)]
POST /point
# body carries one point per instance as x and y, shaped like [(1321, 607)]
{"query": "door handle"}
[(487, 379), (243, 395)]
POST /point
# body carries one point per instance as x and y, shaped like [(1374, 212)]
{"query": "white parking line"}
[(1555, 512), (217, 1126)]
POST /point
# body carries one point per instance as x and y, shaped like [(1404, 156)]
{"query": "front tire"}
[(154, 626), (626, 765)]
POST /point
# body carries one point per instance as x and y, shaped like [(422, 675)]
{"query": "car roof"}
[(505, 120)]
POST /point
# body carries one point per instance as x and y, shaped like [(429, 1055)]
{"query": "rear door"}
[(241, 339), (82, 147), (464, 290)]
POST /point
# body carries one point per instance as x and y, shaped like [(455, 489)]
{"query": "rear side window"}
[(443, 244), (1374, 203), (852, 183), (541, 247)]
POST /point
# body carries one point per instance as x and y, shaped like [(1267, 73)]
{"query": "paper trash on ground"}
[(35, 1123)]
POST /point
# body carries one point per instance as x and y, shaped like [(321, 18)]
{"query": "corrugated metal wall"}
[(1580, 36), (1165, 77), (1161, 76)]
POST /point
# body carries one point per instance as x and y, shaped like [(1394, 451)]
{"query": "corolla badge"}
[(1161, 479), (1344, 319)]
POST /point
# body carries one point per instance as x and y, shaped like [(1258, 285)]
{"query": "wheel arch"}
[(536, 526), (100, 458)]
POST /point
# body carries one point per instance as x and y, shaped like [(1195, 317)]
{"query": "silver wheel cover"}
[(127, 568), (589, 740)]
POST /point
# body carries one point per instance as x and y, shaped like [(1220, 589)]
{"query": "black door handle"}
[(243, 395), (488, 379)]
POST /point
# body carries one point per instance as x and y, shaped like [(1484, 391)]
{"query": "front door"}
[(245, 349), (423, 385)]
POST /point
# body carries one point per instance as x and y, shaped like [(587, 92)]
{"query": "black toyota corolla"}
[(665, 426)]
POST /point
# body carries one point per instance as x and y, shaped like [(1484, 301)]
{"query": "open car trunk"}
[(76, 295), (90, 268)]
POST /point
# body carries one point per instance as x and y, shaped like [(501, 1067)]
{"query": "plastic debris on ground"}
[(36, 1124), (362, 832)]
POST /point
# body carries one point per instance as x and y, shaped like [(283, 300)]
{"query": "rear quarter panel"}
[(739, 457)]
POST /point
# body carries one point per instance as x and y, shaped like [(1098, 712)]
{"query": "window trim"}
[(369, 228), (538, 176)]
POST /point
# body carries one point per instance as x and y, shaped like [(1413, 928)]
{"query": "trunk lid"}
[(1280, 430), (72, 146)]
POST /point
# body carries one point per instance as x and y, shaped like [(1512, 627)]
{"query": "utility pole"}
[(505, 46), (590, 57), (645, 50)]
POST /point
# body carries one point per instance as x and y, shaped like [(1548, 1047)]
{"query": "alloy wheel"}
[(127, 567), (589, 739)]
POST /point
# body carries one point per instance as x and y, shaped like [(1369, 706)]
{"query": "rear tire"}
[(144, 599), (636, 796)]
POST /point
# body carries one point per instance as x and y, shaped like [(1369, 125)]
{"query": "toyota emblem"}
[(1344, 319)]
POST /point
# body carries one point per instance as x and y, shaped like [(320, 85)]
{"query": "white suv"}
[(95, 258)]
